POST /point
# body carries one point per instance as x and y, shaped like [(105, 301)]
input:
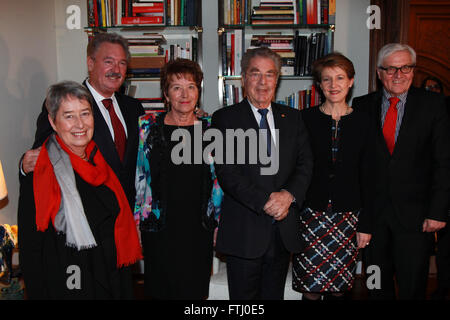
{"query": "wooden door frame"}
[(394, 29)]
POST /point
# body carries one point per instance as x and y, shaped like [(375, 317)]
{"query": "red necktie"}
[(390, 122), (119, 133)]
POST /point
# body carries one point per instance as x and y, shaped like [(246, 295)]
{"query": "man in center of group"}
[(259, 224)]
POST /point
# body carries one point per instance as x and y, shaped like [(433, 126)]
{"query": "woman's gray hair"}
[(390, 48), (59, 92), (263, 52)]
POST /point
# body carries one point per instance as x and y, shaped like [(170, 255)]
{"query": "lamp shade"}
[(3, 191)]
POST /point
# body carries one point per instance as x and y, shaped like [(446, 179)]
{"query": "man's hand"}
[(29, 160), (430, 225), (363, 239), (278, 204)]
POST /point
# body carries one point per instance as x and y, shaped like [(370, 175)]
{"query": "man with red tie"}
[(115, 114), (412, 184)]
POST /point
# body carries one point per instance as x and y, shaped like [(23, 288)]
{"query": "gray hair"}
[(391, 48), (100, 38), (59, 92), (263, 52)]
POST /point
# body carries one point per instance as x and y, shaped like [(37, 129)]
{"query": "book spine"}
[(332, 11), (142, 20)]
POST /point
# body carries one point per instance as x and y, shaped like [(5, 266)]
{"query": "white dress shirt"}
[(270, 119), (98, 99)]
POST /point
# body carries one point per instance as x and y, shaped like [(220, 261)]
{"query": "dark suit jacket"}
[(131, 110), (347, 182), (244, 228), (416, 178)]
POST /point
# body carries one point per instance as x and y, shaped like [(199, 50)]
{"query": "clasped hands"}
[(278, 204)]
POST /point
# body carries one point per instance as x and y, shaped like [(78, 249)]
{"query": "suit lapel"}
[(379, 135), (131, 124), (278, 119), (103, 138), (248, 117), (407, 123)]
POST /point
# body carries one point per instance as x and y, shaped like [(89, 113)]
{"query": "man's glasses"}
[(256, 76), (393, 70)]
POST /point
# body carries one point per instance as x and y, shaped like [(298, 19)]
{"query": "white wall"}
[(70, 43), (352, 37), (27, 67)]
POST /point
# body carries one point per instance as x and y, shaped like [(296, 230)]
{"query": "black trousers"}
[(262, 278), (400, 253), (443, 257)]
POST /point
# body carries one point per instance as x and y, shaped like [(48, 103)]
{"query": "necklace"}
[(348, 110)]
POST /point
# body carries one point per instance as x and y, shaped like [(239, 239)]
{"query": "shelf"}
[(198, 29), (283, 26), (231, 78)]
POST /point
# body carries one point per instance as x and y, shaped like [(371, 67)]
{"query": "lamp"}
[(3, 191)]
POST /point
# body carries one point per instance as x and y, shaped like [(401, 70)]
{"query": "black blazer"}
[(131, 110), (347, 182), (244, 228), (415, 180)]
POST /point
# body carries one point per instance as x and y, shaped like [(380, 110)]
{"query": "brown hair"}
[(179, 68), (332, 60), (95, 43)]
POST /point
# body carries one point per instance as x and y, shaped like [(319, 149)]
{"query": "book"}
[(137, 62), (332, 11), (143, 20)]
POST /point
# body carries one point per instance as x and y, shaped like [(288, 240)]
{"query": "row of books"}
[(147, 61), (274, 12), (303, 99), (297, 52), (149, 54), (260, 12), (108, 13), (183, 12)]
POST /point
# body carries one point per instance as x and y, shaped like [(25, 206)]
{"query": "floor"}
[(219, 290)]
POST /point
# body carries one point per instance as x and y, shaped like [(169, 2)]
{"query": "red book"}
[(232, 54), (315, 12), (325, 15), (309, 12), (313, 96), (142, 20), (156, 7), (96, 13)]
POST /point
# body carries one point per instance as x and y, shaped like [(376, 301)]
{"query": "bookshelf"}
[(299, 30), (157, 31)]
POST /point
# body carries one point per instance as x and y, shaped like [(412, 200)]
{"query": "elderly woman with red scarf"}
[(77, 236)]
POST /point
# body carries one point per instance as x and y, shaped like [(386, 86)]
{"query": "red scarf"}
[(47, 197)]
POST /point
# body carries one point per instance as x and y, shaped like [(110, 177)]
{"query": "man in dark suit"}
[(412, 188), (115, 115), (259, 223)]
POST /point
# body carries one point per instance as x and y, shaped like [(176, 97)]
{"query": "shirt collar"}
[(97, 96), (255, 109), (402, 97)]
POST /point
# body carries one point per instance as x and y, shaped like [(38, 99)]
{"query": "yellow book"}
[(332, 12)]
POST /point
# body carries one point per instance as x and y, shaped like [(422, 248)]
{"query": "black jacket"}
[(415, 180), (244, 228), (347, 182)]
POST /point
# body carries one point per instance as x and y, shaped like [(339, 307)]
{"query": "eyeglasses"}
[(256, 76), (393, 70), (431, 87)]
